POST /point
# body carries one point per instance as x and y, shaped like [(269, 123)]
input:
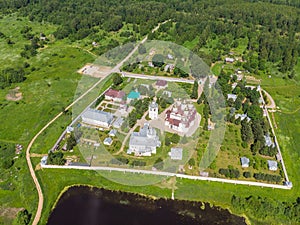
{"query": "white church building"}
[(153, 110), (144, 142)]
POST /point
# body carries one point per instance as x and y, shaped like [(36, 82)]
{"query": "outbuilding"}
[(107, 141), (97, 118), (176, 153), (245, 162), (272, 164)]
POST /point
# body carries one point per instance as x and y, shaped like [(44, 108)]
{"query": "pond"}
[(93, 206)]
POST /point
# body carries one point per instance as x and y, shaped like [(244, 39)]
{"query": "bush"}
[(230, 172), (117, 79), (268, 151), (7, 163), (247, 174), (213, 165), (71, 142), (267, 177), (167, 141), (56, 158), (138, 163), (99, 100), (159, 164), (23, 218), (192, 162), (175, 138), (158, 60), (244, 144)]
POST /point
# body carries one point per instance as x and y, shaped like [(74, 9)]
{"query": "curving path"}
[(271, 104), (293, 112), (31, 169), (33, 175)]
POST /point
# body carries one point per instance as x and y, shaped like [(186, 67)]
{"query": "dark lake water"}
[(94, 206)]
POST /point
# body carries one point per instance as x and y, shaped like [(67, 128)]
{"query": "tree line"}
[(11, 75), (268, 208), (270, 29)]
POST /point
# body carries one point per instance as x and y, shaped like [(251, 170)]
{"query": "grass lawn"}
[(191, 44), (180, 90), (54, 181), (231, 151), (216, 69), (242, 46)]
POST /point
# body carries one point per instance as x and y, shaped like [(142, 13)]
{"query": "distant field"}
[(287, 97), (45, 93), (10, 54), (50, 84)]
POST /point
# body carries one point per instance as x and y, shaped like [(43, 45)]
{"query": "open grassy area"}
[(242, 46), (231, 152), (10, 53), (50, 84), (288, 122), (216, 69), (54, 181), (191, 44)]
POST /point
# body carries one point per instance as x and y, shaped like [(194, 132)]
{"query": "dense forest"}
[(262, 208), (271, 29)]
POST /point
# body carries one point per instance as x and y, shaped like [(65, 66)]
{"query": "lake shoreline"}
[(137, 198)]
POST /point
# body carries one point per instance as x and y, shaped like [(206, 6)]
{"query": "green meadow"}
[(50, 84)]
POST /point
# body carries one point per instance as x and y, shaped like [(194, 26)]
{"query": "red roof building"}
[(181, 117), (161, 83), (114, 95)]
